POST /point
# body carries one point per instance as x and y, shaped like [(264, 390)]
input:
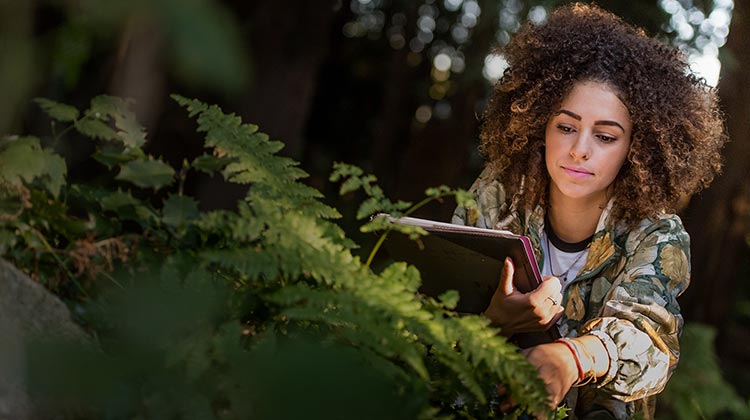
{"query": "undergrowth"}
[(258, 312)]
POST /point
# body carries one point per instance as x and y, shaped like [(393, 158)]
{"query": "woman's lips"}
[(576, 172)]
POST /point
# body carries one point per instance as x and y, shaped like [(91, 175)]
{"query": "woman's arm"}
[(639, 319), (568, 362)]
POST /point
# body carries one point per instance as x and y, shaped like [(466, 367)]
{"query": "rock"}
[(27, 309)]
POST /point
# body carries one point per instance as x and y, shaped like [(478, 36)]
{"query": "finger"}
[(551, 285), (556, 317), (554, 299), (506, 277)]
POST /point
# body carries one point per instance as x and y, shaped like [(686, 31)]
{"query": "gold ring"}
[(554, 302)]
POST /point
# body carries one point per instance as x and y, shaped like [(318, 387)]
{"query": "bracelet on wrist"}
[(584, 376)]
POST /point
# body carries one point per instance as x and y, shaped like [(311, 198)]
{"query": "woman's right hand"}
[(515, 312)]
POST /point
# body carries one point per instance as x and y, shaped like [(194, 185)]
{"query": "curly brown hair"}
[(678, 129)]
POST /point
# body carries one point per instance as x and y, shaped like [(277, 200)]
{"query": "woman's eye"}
[(565, 128), (606, 139)]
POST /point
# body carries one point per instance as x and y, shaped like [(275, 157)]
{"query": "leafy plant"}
[(223, 314), (697, 390)]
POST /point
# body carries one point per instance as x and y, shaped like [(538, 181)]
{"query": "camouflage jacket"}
[(625, 294)]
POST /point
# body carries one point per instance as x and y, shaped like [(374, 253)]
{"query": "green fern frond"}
[(252, 261), (348, 312), (255, 161)]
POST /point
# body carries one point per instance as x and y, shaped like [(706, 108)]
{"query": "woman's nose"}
[(581, 148)]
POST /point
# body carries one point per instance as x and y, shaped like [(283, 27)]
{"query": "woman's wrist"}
[(595, 355), (590, 357), (578, 373)]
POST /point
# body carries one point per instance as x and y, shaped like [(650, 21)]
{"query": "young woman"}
[(593, 135)]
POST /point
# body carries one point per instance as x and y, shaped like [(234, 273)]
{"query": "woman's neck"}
[(574, 220)]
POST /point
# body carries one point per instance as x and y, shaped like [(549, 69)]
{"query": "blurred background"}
[(394, 86)]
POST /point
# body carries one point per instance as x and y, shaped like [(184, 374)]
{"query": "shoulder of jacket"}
[(664, 227)]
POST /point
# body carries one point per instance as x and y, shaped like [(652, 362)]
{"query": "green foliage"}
[(23, 161), (226, 314), (697, 390), (147, 173), (57, 111)]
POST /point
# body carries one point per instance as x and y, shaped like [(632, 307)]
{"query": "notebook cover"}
[(468, 260)]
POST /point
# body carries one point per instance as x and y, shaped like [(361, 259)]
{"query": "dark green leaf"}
[(23, 160), (179, 210), (130, 133), (117, 200), (210, 164), (55, 169), (113, 158), (147, 173), (56, 110), (95, 129)]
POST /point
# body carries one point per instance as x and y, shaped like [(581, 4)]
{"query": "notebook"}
[(469, 260)]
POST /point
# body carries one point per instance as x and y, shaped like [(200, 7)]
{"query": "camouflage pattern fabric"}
[(625, 294)]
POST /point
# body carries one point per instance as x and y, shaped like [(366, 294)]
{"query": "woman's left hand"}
[(557, 368)]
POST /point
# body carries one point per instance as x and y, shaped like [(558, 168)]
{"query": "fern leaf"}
[(344, 170), (449, 299), (348, 311), (404, 274), (252, 262), (254, 155)]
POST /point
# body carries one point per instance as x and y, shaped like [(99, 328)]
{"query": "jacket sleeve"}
[(639, 322), (489, 195)]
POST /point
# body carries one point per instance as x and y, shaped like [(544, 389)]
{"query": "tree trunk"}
[(289, 43)]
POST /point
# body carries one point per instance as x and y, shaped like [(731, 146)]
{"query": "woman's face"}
[(587, 140)]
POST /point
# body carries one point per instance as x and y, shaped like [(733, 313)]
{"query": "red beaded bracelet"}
[(581, 373)]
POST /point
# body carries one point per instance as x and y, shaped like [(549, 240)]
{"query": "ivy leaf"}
[(56, 110), (147, 173), (210, 164), (179, 209)]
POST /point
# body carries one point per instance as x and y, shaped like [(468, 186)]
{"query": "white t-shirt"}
[(568, 263)]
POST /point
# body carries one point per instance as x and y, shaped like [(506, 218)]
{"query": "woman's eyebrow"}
[(608, 122), (600, 122)]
